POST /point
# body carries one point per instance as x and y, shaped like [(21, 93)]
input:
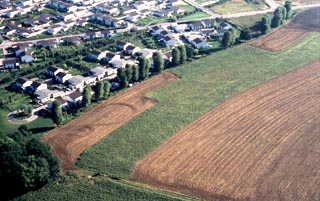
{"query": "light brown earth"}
[(291, 33), (70, 140), (263, 144)]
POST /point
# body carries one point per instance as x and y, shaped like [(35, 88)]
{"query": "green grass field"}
[(194, 16), (98, 188), (204, 84), (238, 6), (151, 20)]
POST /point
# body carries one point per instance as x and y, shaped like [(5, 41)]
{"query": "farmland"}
[(300, 2), (201, 87), (262, 144), (69, 141), (290, 33)]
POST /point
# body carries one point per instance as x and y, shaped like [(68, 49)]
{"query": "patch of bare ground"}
[(263, 144), (291, 33), (70, 140)]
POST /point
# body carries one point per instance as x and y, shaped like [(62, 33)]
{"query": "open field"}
[(238, 6), (290, 33), (262, 145), (98, 188), (204, 84), (70, 140)]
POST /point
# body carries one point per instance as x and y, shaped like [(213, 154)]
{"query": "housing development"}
[(159, 99)]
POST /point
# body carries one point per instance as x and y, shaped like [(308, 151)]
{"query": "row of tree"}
[(281, 14)]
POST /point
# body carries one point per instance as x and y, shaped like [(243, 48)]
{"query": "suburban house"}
[(99, 72), (110, 56), (51, 43), (169, 41), (76, 82), (53, 70), (219, 33), (146, 53), (26, 57), (131, 50), (90, 80), (62, 77), (225, 26), (180, 28), (111, 72), (96, 55), (36, 86), (199, 43), (74, 98), (53, 30), (121, 45), (9, 63), (132, 16), (139, 5), (23, 83), (120, 63), (156, 30), (43, 96)]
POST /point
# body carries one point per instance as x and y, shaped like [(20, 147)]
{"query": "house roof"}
[(76, 80), (75, 95), (53, 69), (25, 53), (43, 93), (110, 55), (61, 74), (98, 70), (36, 84), (21, 80), (61, 100), (198, 40), (131, 47), (121, 43), (95, 52), (168, 38), (9, 61)]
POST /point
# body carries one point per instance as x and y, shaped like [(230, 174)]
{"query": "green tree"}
[(121, 73), (226, 40), (99, 90), (106, 89), (56, 109), (34, 172), (265, 24), (183, 54), (288, 6), (158, 62), (190, 51), (175, 56), (144, 66), (135, 73), (87, 96), (277, 19), (245, 34), (129, 72)]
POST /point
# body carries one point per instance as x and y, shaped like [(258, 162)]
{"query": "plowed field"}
[(70, 140), (280, 39), (289, 34), (263, 144)]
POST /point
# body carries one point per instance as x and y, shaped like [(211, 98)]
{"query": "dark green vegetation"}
[(204, 84), (25, 164)]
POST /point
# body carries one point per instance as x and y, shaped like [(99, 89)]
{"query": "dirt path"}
[(70, 140), (263, 144)]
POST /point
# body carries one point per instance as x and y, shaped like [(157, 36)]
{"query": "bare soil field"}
[(263, 144), (289, 34), (70, 140)]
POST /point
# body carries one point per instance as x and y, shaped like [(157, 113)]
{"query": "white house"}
[(62, 77), (131, 50), (36, 86), (53, 70), (74, 98), (90, 80), (76, 82), (169, 41), (96, 55), (110, 56), (98, 72), (10, 63), (53, 30), (26, 57), (43, 95), (199, 43), (23, 83), (120, 63)]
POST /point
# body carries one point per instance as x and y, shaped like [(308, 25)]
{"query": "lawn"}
[(205, 83), (194, 16), (151, 20), (238, 6), (249, 21), (186, 7)]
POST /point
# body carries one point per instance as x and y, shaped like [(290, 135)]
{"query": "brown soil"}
[(70, 140), (263, 144), (291, 33)]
